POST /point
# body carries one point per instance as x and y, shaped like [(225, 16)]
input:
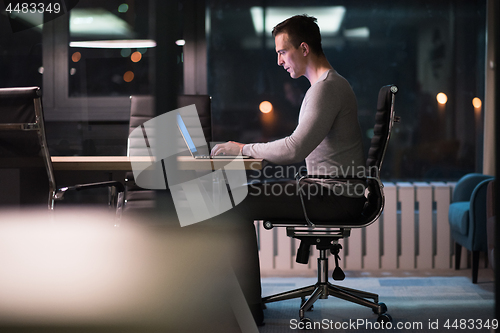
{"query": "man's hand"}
[(229, 148)]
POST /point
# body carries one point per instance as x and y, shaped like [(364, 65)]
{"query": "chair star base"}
[(322, 289)]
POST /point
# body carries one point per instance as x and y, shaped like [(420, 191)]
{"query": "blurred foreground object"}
[(75, 272)]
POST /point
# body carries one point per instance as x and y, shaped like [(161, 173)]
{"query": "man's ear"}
[(304, 48)]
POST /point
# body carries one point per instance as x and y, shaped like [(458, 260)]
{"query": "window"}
[(424, 47), (89, 60), (21, 53), (87, 87), (109, 49)]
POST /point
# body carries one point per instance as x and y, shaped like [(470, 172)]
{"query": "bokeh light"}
[(125, 52), (265, 107), (136, 56), (75, 57), (477, 102), (128, 76), (123, 8), (442, 98)]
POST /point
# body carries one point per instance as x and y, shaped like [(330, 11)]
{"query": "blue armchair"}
[(467, 218)]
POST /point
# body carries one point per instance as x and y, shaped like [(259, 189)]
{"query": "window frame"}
[(57, 103)]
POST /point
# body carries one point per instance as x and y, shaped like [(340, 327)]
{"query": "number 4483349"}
[(33, 7), (461, 324)]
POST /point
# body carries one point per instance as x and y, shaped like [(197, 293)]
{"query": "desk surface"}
[(123, 163), (189, 163)]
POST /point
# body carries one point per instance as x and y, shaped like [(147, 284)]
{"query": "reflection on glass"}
[(110, 49), (424, 47), (21, 51), (329, 17)]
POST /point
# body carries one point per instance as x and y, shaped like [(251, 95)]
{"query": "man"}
[(327, 136)]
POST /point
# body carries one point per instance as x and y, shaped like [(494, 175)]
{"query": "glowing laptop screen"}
[(185, 134)]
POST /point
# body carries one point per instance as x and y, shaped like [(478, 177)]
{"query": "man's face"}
[(291, 58)]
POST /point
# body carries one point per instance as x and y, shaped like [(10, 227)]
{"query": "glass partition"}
[(430, 49), (21, 52), (110, 48)]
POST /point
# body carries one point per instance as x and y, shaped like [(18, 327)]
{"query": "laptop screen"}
[(185, 134)]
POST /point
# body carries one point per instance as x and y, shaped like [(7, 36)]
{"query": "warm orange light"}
[(477, 103), (265, 107), (128, 76), (442, 98), (136, 56), (76, 56)]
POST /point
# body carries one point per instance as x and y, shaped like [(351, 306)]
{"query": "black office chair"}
[(24, 155), (204, 107), (326, 234), (142, 109)]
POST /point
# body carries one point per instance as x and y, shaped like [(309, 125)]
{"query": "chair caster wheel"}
[(306, 323), (382, 308), (303, 300), (268, 225), (384, 318)]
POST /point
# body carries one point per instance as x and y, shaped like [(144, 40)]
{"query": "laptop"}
[(191, 146)]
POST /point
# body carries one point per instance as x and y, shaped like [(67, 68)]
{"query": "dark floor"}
[(417, 301)]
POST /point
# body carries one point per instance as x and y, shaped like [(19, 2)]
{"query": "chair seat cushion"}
[(458, 216)]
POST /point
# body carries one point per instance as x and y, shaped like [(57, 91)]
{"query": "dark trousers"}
[(281, 200)]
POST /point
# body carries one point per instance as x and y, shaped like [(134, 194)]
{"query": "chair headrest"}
[(384, 98)]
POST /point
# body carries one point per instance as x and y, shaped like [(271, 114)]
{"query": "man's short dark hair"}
[(301, 28)]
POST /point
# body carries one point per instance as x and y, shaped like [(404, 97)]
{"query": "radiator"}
[(412, 233)]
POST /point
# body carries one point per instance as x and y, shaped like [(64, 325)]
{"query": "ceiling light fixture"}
[(115, 44), (329, 17)]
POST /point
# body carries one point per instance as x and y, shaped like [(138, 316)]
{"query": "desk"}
[(190, 163), (93, 163), (205, 201), (122, 163)]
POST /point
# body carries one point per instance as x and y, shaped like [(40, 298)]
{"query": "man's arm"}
[(321, 105), (318, 112)]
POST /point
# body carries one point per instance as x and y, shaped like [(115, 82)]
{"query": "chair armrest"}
[(113, 183), (118, 192), (299, 176), (334, 177)]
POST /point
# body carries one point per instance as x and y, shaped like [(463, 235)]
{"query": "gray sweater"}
[(328, 135)]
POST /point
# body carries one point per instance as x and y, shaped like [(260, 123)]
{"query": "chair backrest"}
[(24, 154), (466, 185), (142, 109), (203, 106), (384, 120)]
